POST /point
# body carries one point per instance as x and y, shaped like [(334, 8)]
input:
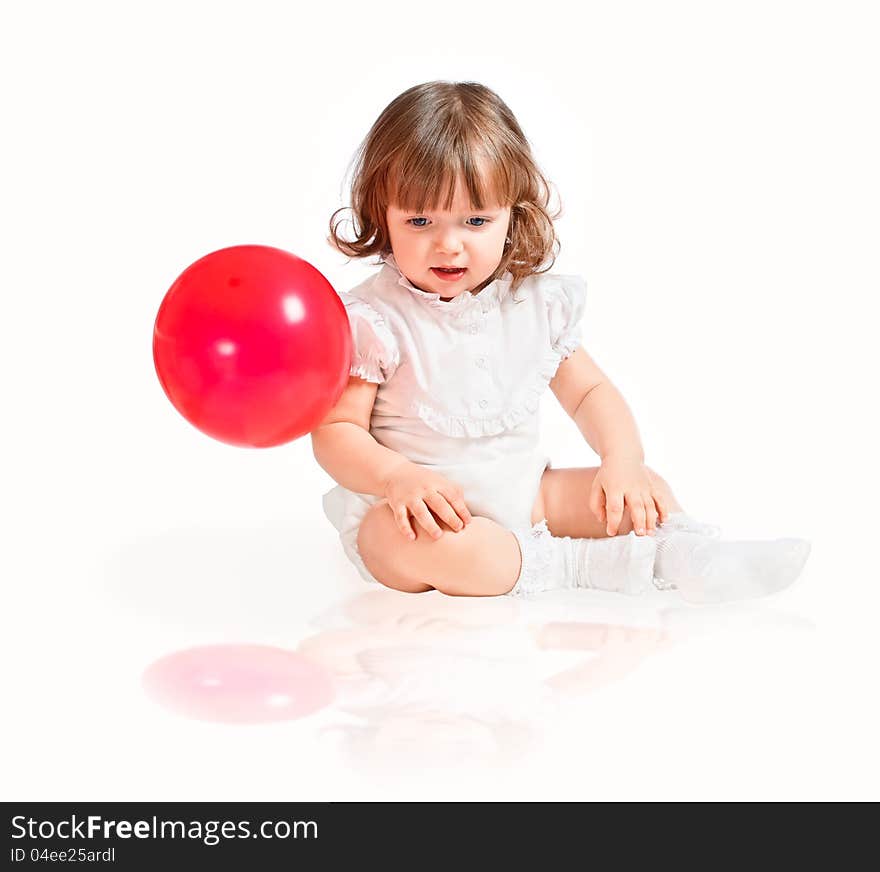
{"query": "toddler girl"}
[(434, 441)]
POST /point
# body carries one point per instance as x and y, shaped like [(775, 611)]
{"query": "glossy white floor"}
[(158, 585), (580, 695)]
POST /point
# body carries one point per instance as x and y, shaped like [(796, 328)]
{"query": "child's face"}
[(463, 236)]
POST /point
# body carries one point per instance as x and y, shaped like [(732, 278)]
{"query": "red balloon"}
[(252, 345)]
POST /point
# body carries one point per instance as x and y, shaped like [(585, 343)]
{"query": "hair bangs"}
[(428, 177)]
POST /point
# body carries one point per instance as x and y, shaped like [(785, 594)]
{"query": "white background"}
[(717, 165)]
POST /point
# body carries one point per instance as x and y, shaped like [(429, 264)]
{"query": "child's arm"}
[(343, 446), (597, 407), (623, 482)]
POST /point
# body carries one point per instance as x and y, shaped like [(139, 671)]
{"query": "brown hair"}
[(424, 140)]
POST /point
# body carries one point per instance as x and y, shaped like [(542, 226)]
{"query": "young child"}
[(434, 441)]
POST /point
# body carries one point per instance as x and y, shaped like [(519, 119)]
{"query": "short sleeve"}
[(375, 354), (565, 308)]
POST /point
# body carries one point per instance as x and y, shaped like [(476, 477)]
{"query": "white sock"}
[(706, 570), (682, 521), (624, 564)]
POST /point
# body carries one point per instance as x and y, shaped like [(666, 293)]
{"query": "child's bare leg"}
[(483, 559), (565, 502)]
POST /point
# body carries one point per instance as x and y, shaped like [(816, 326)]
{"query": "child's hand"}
[(625, 481), (413, 489)]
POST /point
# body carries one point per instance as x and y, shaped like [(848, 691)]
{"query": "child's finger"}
[(614, 510), (441, 507), (426, 520), (662, 512), (460, 507), (652, 514), (401, 518), (636, 513)]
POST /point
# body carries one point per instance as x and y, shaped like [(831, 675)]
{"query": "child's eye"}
[(484, 220)]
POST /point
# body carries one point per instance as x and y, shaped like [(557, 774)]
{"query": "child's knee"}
[(369, 527), (374, 535), (379, 550), (459, 563)]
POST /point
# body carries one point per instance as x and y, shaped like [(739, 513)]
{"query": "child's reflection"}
[(478, 686), (425, 681)]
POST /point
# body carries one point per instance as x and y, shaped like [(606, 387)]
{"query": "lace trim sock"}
[(680, 522), (684, 522), (624, 564), (705, 570), (540, 562)]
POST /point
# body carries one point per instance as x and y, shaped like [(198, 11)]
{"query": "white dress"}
[(459, 386)]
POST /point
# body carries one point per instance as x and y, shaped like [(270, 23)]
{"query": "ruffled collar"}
[(486, 299)]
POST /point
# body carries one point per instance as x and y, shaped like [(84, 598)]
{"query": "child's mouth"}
[(448, 275)]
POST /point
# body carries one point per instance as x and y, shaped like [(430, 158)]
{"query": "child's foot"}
[(706, 570)]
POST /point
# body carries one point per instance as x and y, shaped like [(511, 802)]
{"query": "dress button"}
[(484, 403)]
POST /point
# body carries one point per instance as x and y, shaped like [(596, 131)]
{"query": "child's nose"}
[(449, 243)]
